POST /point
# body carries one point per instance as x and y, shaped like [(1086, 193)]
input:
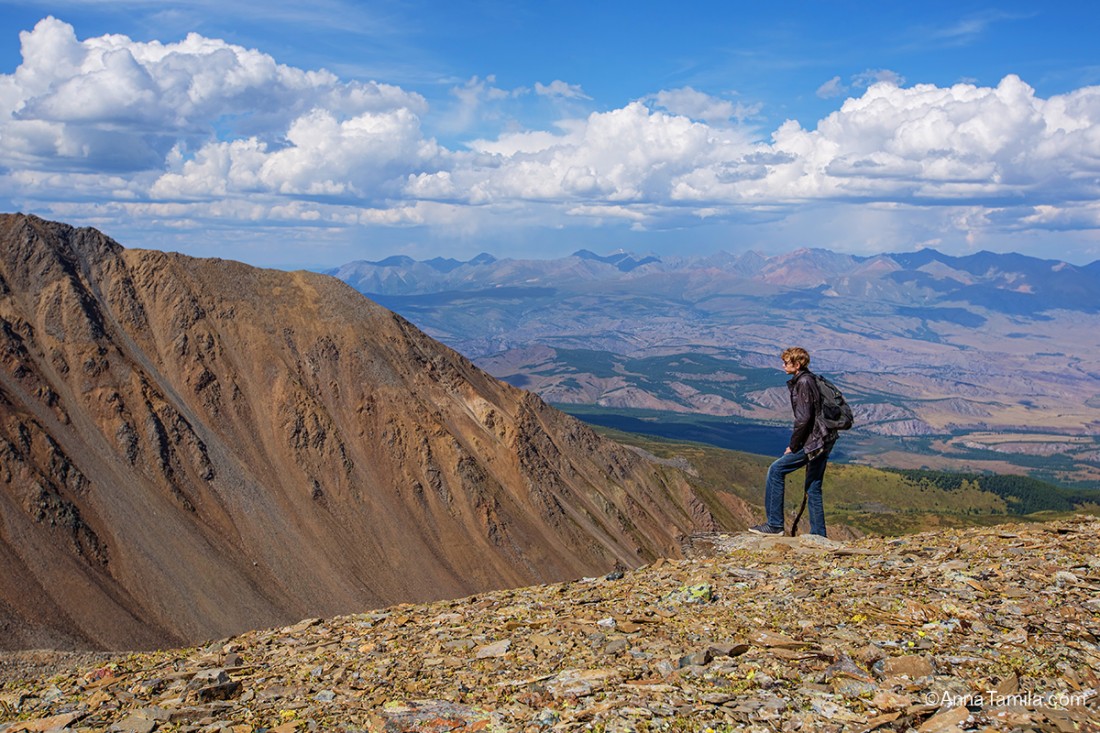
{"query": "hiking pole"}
[(794, 527)]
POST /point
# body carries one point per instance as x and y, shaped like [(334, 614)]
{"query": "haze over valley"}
[(982, 362)]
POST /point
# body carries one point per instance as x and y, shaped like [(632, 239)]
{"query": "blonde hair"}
[(797, 356)]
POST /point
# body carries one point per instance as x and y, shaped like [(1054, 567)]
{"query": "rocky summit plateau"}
[(992, 629), (192, 448)]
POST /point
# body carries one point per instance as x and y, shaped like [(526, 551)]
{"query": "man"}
[(810, 444)]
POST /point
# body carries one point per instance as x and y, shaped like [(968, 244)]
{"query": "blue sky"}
[(297, 134)]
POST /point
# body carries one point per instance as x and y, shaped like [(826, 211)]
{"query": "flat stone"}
[(716, 698), (945, 721), (496, 649), (301, 626), (768, 639), (833, 711), (887, 701), (54, 722), (912, 666), (845, 667), (850, 688), (580, 682), (289, 727), (216, 692), (728, 650), (437, 716), (208, 677), (134, 724), (696, 659)]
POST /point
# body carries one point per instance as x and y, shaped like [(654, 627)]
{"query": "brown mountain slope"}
[(189, 448)]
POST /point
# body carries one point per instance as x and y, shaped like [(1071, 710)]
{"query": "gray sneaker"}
[(766, 529)]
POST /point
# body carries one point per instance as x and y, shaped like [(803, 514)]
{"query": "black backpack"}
[(833, 408), (835, 414)]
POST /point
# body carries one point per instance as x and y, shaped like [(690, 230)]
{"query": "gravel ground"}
[(38, 664)]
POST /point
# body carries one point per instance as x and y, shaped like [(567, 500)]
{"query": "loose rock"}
[(976, 630)]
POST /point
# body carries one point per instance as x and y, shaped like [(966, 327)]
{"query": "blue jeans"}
[(777, 480)]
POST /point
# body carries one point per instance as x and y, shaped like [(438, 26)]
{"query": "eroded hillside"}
[(195, 447)]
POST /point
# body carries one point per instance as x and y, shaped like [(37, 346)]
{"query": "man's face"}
[(790, 367)]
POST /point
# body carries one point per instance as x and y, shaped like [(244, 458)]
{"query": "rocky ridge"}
[(993, 629), (191, 448)]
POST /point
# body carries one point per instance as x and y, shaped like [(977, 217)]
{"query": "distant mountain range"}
[(1007, 283), (946, 356), (190, 448)]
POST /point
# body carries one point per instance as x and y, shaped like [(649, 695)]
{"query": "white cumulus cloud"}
[(206, 130), (832, 89), (116, 104), (925, 144), (625, 155), (700, 106)]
